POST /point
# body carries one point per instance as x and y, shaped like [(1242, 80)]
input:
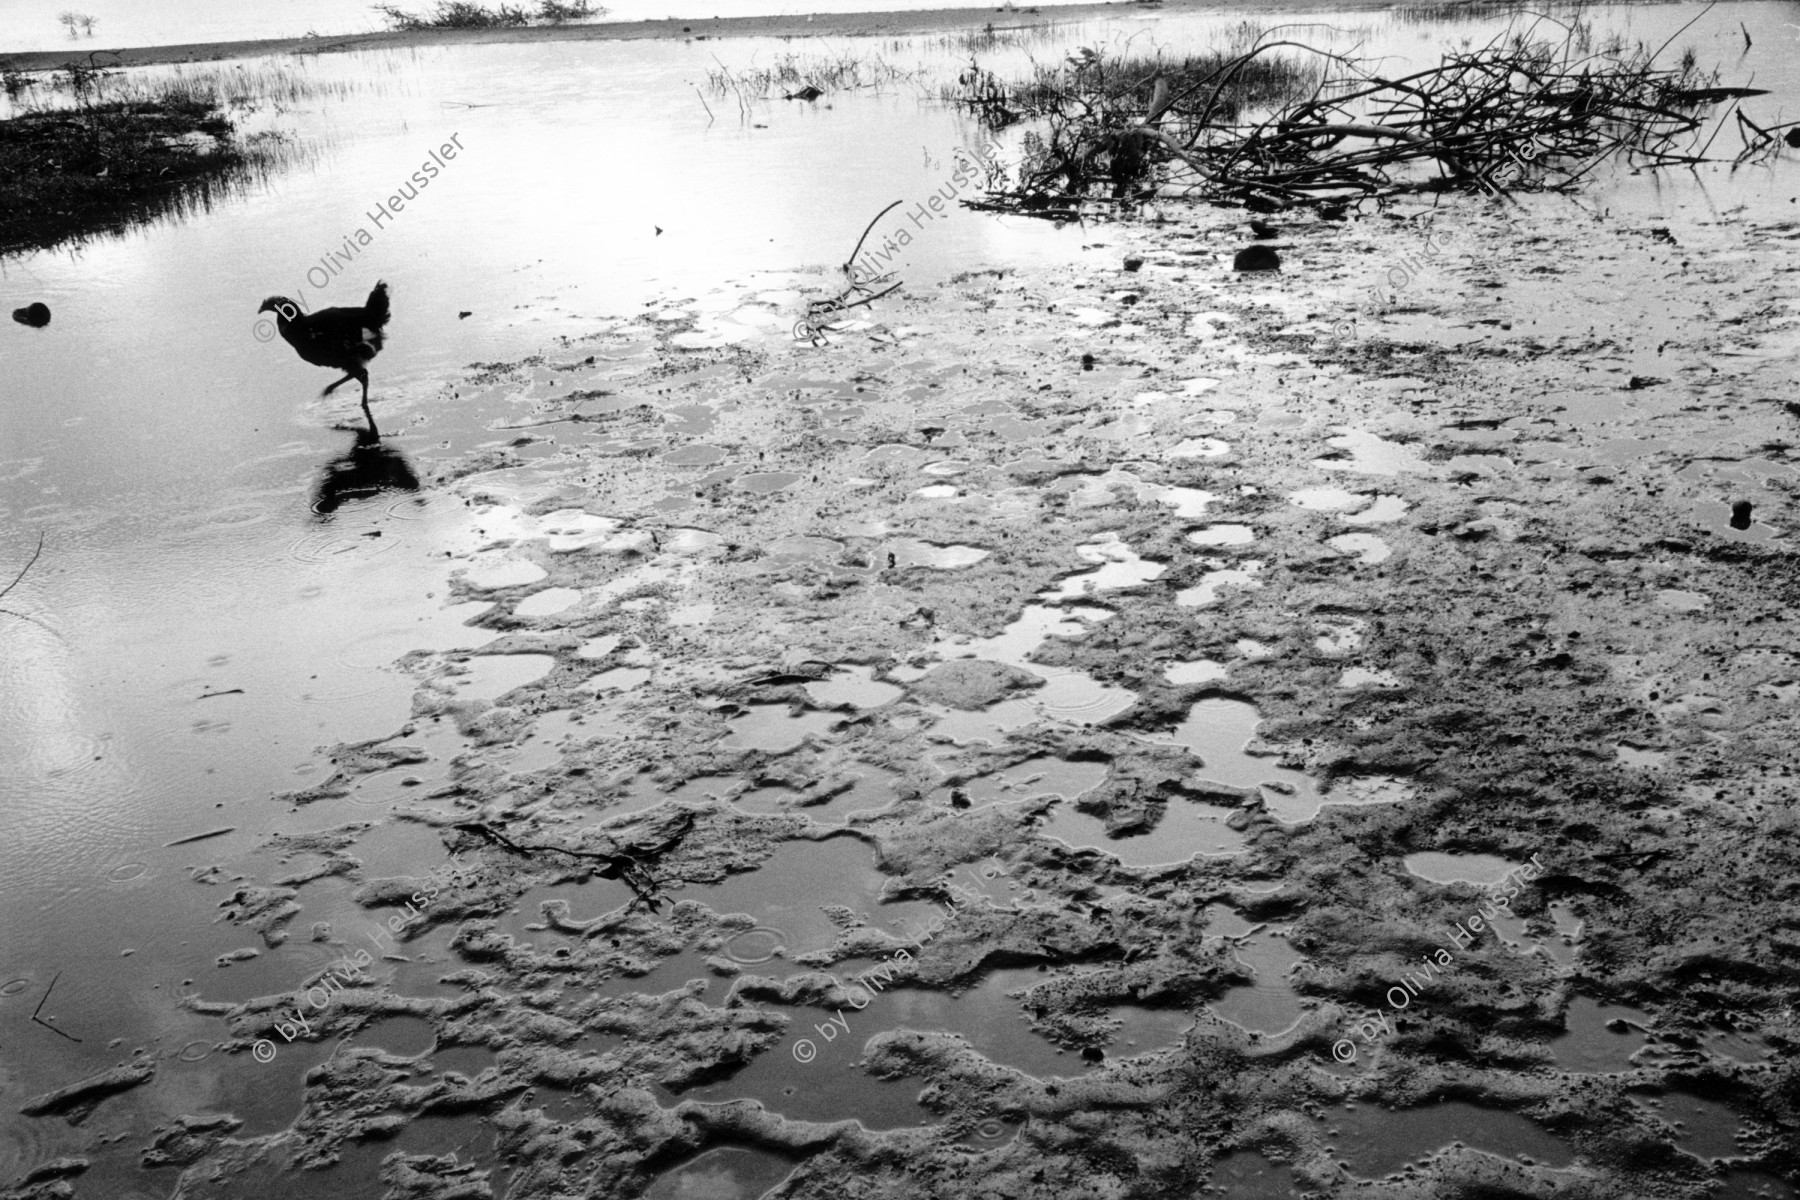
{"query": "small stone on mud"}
[(1132, 264), (1740, 514), (1256, 258), (35, 314)]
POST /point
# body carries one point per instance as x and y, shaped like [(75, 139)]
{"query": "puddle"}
[(1207, 591), (1247, 1175), (786, 892), (1372, 455), (910, 552), (1563, 947), (872, 791), (1120, 568), (1187, 828), (801, 1093), (1327, 499), (1015, 643), (548, 602), (1203, 447), (855, 686), (400, 849), (1634, 756), (1036, 777), (1478, 869), (1377, 1141), (1367, 548), (775, 729), (406, 1037), (802, 549), (1741, 1047), (1078, 698), (618, 679), (1223, 535), (1269, 1005), (1385, 509), (467, 1061), (1704, 1128), (490, 676), (726, 1173), (1187, 502), (763, 483), (1216, 731), (1589, 1047), (1203, 670), (571, 902), (598, 647), (1752, 1185), (1721, 520)]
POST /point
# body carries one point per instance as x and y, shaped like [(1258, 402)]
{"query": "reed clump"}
[(1281, 124)]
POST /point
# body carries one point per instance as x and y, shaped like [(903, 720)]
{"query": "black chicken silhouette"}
[(344, 339)]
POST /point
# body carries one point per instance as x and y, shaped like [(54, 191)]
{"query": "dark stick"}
[(34, 557), (41, 1003)]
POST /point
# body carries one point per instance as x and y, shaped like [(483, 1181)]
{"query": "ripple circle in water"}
[(757, 945), (13, 987), (126, 872)]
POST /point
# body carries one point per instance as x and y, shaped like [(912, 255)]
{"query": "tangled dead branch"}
[(1521, 113)]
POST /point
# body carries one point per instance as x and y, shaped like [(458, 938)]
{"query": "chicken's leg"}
[(363, 376), (340, 383)]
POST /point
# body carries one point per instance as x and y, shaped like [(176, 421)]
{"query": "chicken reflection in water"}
[(367, 469)]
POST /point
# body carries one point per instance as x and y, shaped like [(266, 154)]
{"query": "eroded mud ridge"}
[(1095, 750)]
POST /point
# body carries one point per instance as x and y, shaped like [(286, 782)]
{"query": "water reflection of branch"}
[(15, 583), (33, 562), (45, 1000)]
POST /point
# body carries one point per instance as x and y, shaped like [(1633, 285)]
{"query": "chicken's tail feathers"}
[(375, 312)]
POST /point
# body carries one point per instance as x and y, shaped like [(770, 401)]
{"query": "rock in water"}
[(35, 314), (1257, 258), (1740, 515)]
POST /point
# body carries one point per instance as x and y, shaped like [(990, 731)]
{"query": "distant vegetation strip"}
[(469, 14)]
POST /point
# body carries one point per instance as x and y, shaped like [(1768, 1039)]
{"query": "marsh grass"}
[(790, 73), (86, 149), (1115, 87)]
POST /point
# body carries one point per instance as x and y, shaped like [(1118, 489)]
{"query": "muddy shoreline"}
[(1544, 642)]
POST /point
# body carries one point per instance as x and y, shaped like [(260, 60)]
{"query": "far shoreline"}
[(869, 24)]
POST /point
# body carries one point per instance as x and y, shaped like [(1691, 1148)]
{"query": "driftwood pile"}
[(1521, 113)]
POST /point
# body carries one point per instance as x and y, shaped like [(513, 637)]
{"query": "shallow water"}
[(1377, 1141)]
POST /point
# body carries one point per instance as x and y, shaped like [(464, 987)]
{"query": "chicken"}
[(344, 339)]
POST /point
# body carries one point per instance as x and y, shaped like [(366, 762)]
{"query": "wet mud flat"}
[(1103, 699)]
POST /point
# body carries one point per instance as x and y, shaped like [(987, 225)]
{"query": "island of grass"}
[(69, 170)]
